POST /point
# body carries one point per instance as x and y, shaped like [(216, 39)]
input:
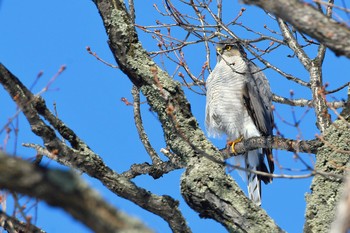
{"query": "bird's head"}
[(229, 48)]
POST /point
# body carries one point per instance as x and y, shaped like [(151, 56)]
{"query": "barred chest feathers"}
[(225, 114)]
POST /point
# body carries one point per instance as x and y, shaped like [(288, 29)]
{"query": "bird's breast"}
[(225, 109)]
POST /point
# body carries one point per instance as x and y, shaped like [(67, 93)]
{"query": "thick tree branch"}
[(341, 222), (325, 194), (323, 119), (315, 69), (65, 190), (156, 171), (310, 21), (82, 157), (205, 186), (297, 146)]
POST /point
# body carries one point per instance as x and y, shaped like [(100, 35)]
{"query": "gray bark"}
[(66, 190), (205, 185), (81, 157), (310, 21), (326, 191)]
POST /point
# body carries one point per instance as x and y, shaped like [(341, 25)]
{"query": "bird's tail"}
[(255, 161), (254, 185), (252, 161)]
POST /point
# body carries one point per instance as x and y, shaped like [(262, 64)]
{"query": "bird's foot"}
[(233, 143)]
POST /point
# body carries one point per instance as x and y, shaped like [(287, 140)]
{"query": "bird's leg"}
[(233, 143)]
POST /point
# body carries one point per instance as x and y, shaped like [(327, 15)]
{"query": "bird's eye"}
[(228, 47)]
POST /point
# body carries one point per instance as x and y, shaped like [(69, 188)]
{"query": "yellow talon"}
[(233, 143)]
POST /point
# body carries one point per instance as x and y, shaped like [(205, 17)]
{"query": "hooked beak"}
[(219, 52)]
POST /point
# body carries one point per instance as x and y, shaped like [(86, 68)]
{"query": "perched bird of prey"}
[(239, 104)]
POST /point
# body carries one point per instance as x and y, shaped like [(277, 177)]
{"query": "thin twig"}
[(140, 129)]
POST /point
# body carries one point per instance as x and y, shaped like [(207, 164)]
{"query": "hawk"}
[(239, 104)]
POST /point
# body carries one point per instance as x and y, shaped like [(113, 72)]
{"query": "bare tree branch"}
[(297, 146), (310, 21), (203, 178), (140, 129), (315, 70), (323, 119), (66, 190), (293, 44), (322, 48), (82, 157), (205, 186), (12, 224), (305, 102)]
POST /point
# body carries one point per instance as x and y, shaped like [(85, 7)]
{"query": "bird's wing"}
[(257, 100), (257, 109)]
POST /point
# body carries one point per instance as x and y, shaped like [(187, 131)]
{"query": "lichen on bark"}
[(325, 190)]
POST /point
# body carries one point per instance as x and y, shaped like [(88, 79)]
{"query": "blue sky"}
[(44, 35)]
